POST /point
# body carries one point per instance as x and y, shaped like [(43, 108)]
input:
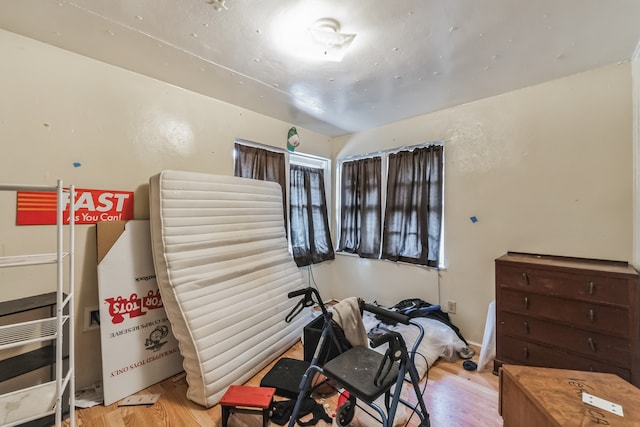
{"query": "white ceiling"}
[(410, 57)]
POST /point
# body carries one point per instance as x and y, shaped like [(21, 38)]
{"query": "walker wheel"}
[(346, 411)]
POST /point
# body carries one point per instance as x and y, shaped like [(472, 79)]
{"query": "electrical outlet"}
[(91, 318), (451, 307)]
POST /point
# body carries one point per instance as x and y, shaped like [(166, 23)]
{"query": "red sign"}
[(133, 306), (38, 208)]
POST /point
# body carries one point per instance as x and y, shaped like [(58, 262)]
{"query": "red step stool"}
[(247, 399)]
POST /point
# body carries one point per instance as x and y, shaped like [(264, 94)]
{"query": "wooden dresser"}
[(568, 313)]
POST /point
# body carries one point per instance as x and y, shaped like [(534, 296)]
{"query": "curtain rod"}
[(275, 149), (259, 145), (390, 150)]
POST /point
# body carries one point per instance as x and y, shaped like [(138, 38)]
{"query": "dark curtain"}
[(413, 215), (310, 237), (258, 163), (361, 207)]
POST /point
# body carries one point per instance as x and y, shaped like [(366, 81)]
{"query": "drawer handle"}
[(592, 288), (592, 315), (525, 352), (526, 327), (592, 344), (526, 302), (525, 277)]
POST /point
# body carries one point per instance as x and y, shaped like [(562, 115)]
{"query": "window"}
[(361, 208), (407, 201), (309, 234), (310, 237)]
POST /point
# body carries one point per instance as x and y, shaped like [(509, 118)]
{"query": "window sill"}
[(424, 267)]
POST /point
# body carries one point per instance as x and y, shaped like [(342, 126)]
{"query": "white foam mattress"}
[(224, 271)]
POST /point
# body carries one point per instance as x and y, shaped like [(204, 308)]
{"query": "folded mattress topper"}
[(224, 270)]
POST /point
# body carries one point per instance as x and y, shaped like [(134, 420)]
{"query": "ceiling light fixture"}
[(326, 36)]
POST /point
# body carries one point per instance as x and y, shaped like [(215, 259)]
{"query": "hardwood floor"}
[(454, 397)]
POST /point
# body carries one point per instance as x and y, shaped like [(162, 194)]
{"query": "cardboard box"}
[(138, 347)]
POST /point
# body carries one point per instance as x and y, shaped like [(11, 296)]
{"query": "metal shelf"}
[(23, 333), (27, 187), (27, 404), (35, 259), (43, 400)]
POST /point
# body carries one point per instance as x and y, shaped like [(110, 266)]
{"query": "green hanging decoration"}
[(293, 140)]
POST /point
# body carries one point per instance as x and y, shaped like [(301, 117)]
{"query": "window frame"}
[(317, 162), (384, 154)]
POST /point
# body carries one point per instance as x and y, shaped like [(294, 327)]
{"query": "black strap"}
[(318, 414), (281, 410)]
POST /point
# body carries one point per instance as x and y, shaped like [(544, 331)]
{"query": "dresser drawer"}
[(590, 287), (521, 352), (587, 343), (609, 320)]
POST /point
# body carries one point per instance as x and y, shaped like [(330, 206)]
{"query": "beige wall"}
[(57, 108), (546, 169)]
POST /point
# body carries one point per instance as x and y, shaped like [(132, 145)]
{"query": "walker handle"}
[(383, 312), (386, 337), (307, 301), (297, 293)]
